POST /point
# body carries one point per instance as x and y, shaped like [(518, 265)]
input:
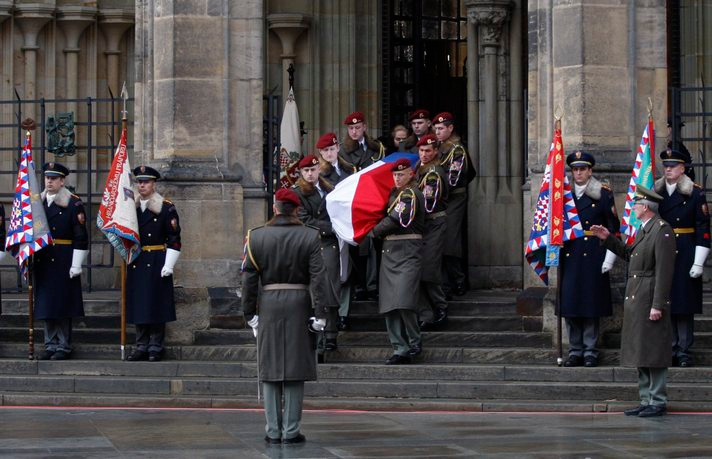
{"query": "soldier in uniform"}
[(585, 285), (334, 169), (57, 268), (432, 182), (684, 206), (402, 231), (460, 171), (149, 280), (359, 151), (312, 190), (647, 330), (421, 125), (285, 257)]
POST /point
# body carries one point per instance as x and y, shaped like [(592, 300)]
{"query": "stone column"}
[(114, 23), (288, 27), (31, 18)]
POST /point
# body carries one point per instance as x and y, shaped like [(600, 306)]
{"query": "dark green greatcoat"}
[(432, 182), (651, 265)]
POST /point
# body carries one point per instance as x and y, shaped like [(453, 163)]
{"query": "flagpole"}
[(559, 275), (30, 309), (124, 124)]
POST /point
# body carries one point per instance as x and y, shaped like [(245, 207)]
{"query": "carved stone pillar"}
[(494, 207), (114, 23), (288, 27), (5, 7), (31, 18)]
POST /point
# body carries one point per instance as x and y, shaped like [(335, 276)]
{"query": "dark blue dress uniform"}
[(687, 212)]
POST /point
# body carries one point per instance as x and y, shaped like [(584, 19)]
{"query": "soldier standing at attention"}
[(432, 182), (401, 262), (684, 206), (585, 285), (149, 279), (57, 268), (460, 171), (646, 335), (284, 256), (421, 125)]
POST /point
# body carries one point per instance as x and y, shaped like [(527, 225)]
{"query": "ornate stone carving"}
[(490, 16)]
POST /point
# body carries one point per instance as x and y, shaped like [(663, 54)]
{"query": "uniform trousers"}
[(58, 334), (453, 275), (149, 337), (683, 335), (403, 330), (583, 335), (331, 330), (651, 385), (345, 300), (432, 297), (364, 275), (283, 417)]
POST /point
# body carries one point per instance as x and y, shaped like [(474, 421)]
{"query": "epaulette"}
[(697, 185), (167, 202), (606, 187), (74, 196)]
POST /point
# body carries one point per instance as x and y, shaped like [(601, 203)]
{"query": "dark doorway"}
[(424, 66)]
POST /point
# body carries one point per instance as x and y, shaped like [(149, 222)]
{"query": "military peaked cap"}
[(146, 173), (52, 169), (580, 158)]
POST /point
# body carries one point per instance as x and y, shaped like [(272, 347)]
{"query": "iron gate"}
[(98, 122), (692, 127)]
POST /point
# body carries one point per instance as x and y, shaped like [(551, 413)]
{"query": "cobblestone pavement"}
[(179, 433)]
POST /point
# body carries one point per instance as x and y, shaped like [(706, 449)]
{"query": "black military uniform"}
[(401, 265), (58, 294), (285, 257), (432, 182), (460, 171), (585, 290), (149, 290), (684, 206)]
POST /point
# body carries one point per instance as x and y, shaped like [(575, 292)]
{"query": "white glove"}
[(608, 262), (699, 263), (316, 325), (171, 258), (78, 257), (253, 323)]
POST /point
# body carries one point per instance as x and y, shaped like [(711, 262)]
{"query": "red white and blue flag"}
[(556, 219), (357, 203), (117, 217), (644, 174), (29, 230)]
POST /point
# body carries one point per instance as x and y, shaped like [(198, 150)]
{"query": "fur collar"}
[(155, 203), (593, 189), (325, 168), (450, 143), (62, 198), (684, 185), (308, 189), (351, 145)]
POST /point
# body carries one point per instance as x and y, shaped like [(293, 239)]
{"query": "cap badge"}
[(354, 120), (143, 169), (578, 155), (441, 119), (51, 165), (669, 153)]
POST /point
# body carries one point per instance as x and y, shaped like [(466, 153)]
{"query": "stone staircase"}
[(488, 359)]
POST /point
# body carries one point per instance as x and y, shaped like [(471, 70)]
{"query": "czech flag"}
[(358, 202)]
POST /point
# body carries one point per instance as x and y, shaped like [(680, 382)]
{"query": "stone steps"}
[(364, 322), (89, 321), (79, 335)]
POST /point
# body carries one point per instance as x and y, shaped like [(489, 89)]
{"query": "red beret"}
[(287, 195), (355, 117), (428, 139), (327, 140), (419, 114), (401, 165), (443, 117), (308, 161)]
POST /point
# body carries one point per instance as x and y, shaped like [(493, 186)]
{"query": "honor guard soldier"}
[(284, 256), (421, 125), (359, 151), (585, 284), (432, 182), (401, 262), (684, 206), (646, 334), (460, 171), (57, 267), (149, 280), (312, 190)]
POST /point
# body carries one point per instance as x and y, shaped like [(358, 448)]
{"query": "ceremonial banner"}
[(117, 217), (358, 202), (28, 231), (290, 151), (644, 174), (556, 217)]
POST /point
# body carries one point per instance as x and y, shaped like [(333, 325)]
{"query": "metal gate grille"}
[(693, 107)]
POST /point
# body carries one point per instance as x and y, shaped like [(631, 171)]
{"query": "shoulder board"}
[(697, 185), (166, 201), (75, 196), (606, 187)]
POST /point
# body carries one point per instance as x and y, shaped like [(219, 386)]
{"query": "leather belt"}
[(403, 237), (641, 274), (61, 242), (153, 248), (285, 287), (684, 230), (458, 190), (442, 213)]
